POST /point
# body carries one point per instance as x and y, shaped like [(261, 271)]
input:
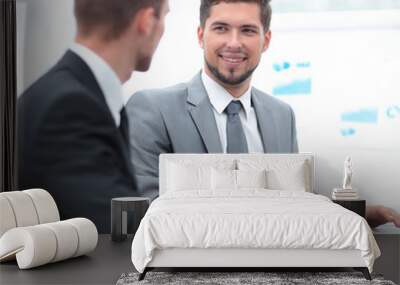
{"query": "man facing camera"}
[(72, 126), (218, 111)]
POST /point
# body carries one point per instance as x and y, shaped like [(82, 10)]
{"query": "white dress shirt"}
[(106, 77), (220, 98)]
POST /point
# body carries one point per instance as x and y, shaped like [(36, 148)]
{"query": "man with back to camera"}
[(202, 116), (72, 125)]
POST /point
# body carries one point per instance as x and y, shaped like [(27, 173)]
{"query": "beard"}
[(232, 80), (143, 63)]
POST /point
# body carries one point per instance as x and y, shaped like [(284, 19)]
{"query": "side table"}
[(356, 206), (120, 207), (388, 238)]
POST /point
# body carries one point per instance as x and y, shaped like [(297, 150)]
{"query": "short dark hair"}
[(112, 16), (265, 10)]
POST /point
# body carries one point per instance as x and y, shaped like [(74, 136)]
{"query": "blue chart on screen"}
[(293, 78), (368, 116), (393, 112), (361, 116)]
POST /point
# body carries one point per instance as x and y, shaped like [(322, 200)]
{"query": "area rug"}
[(244, 278)]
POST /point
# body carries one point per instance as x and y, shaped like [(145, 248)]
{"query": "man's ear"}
[(267, 40), (200, 36), (145, 20)]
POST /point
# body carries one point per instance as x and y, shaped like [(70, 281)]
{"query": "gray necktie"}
[(235, 136)]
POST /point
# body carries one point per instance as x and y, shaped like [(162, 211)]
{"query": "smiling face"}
[(233, 40)]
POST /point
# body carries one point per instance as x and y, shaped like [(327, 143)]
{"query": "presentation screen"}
[(340, 71)]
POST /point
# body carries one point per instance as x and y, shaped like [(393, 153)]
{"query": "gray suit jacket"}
[(180, 119)]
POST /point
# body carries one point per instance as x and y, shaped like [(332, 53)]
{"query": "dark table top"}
[(102, 266)]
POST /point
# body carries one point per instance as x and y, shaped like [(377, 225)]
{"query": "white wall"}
[(353, 64), (48, 28)]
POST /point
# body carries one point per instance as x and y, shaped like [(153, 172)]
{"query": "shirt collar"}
[(106, 77), (220, 97)]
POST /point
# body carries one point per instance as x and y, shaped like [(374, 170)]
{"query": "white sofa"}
[(31, 231)]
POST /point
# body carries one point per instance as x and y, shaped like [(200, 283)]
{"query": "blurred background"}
[(337, 63)]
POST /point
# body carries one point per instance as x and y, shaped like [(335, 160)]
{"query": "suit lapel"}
[(200, 110), (266, 122)]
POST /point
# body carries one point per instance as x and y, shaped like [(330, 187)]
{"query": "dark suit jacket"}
[(69, 143)]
